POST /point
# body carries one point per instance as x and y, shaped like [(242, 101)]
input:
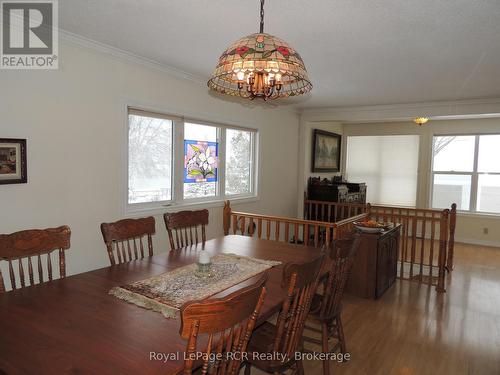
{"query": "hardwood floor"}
[(412, 330)]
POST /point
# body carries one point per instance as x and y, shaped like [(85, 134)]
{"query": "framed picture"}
[(326, 151), (13, 161)]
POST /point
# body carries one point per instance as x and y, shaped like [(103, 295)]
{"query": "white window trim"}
[(472, 211), (178, 202)]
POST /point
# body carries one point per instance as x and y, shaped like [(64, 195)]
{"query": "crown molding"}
[(355, 114), (440, 110), (129, 56)]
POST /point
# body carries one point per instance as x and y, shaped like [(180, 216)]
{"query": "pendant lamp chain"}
[(262, 16)]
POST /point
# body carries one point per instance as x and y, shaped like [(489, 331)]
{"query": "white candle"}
[(204, 257)]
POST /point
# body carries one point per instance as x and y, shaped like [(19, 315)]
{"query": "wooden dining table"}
[(74, 326)]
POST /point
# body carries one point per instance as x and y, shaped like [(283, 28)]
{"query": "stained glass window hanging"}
[(200, 161)]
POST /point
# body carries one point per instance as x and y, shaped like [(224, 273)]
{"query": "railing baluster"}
[(306, 234), (251, 227), (431, 252), (235, 224), (287, 231), (277, 230), (259, 227), (413, 243), (422, 248), (268, 229), (243, 225)]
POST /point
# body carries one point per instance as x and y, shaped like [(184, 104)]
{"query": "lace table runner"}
[(167, 292)]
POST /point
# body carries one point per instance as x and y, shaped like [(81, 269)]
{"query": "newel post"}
[(451, 241), (443, 244), (226, 217)]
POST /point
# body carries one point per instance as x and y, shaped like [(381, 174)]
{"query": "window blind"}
[(388, 165)]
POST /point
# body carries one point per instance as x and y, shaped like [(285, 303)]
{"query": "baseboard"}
[(474, 241)]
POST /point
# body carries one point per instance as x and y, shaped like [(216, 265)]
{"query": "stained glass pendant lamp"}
[(260, 66)]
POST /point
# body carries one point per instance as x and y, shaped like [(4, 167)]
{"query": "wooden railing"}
[(278, 228), (423, 245), (331, 211), (427, 239)]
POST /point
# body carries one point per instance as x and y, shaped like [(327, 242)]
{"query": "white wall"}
[(305, 154), (469, 227), (74, 121)]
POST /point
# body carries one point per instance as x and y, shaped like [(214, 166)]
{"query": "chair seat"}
[(261, 343)]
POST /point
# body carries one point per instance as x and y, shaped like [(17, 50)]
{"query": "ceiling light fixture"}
[(260, 66), (421, 120)]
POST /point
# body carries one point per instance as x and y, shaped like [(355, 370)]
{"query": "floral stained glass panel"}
[(200, 161)]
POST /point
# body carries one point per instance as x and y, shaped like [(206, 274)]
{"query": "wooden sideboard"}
[(375, 266), (335, 191)]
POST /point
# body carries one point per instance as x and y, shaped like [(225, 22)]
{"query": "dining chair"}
[(125, 238), (26, 244), (228, 322), (327, 307), (282, 340), (184, 225)]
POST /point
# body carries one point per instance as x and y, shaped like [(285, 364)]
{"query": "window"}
[(200, 160), (149, 158), (175, 162), (239, 163), (388, 165), (466, 171)]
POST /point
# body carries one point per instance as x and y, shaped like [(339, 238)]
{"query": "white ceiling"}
[(357, 52)]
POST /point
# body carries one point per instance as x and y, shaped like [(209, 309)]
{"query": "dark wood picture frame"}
[(318, 160), (20, 175)]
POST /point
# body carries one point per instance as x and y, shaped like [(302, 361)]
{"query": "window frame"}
[(177, 174), (474, 174), (146, 206), (253, 164)]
